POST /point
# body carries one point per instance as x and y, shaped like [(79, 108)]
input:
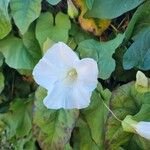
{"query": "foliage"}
[(54, 126), (127, 101), (98, 50), (114, 33), (5, 25), (25, 12), (111, 9)]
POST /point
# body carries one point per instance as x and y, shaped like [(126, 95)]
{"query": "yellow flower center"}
[(72, 73)]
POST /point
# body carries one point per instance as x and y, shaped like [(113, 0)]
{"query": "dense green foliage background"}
[(114, 33)]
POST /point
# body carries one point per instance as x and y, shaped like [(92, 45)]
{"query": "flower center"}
[(72, 73)]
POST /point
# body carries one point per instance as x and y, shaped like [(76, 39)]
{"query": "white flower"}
[(142, 83), (141, 79), (69, 81), (143, 129)]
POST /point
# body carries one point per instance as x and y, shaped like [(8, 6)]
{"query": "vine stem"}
[(109, 109)]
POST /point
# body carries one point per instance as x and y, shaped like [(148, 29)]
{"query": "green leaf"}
[(5, 24), (68, 147), (25, 12), (144, 113), (78, 34), (89, 3), (21, 54), (102, 52), (97, 109), (140, 20), (1, 82), (138, 54), (18, 119), (120, 74), (126, 101), (53, 2), (27, 143), (112, 8), (15, 53), (1, 59), (45, 28), (47, 44), (55, 126), (82, 138), (32, 45)]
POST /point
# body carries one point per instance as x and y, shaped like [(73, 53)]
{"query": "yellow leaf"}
[(95, 26)]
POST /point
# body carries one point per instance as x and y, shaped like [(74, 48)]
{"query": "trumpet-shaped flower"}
[(69, 80), (142, 128)]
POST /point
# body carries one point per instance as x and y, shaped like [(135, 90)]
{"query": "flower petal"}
[(57, 96), (54, 65), (44, 74), (61, 55), (143, 129), (68, 97), (87, 71), (80, 97)]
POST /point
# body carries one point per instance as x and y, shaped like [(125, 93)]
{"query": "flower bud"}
[(141, 83), (72, 10)]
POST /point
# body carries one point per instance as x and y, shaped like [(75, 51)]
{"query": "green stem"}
[(109, 109)]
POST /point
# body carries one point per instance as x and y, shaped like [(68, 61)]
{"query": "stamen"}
[(72, 73)]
